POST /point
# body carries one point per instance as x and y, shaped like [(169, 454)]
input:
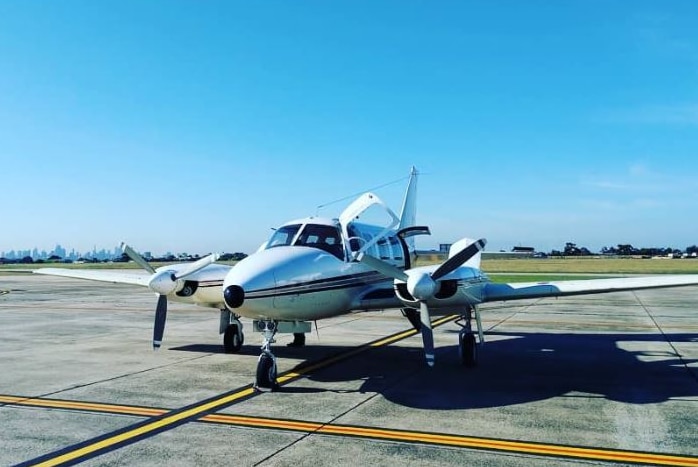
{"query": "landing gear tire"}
[(467, 348), (413, 316), (298, 340), (232, 339), (266, 373)]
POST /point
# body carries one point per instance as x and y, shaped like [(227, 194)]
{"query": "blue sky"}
[(197, 126)]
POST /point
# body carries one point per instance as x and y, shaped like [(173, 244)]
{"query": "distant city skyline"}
[(96, 252), (62, 252)]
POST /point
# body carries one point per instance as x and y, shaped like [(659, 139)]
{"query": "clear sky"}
[(197, 126)]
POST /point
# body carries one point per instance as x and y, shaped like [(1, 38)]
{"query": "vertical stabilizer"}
[(408, 216)]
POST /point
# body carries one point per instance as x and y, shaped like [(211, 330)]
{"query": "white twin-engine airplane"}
[(317, 268)]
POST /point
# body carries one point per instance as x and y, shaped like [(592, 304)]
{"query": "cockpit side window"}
[(283, 236), (354, 238), (324, 237)]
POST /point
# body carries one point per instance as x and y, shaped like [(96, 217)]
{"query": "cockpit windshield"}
[(324, 237), (283, 236)]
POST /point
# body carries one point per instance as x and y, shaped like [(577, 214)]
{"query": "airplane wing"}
[(118, 277), (514, 291)]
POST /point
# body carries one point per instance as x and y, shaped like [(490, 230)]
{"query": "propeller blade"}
[(138, 259), (160, 317), (196, 265), (384, 268), (427, 333), (458, 259)]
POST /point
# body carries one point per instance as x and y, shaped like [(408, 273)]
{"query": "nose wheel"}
[(266, 373), (265, 379)]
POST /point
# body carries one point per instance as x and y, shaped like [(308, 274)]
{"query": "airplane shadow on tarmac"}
[(513, 368)]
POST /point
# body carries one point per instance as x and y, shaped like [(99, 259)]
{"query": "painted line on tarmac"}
[(301, 370), (111, 441), (380, 434)]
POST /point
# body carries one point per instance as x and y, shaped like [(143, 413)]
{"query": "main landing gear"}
[(467, 345), (413, 317), (298, 340), (231, 328)]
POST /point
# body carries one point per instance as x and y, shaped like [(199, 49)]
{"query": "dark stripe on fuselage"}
[(321, 285), (325, 280)]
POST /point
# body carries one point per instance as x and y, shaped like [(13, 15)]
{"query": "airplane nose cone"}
[(234, 296)]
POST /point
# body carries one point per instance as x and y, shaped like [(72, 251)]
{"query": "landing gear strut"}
[(467, 345), (265, 379), (412, 316)]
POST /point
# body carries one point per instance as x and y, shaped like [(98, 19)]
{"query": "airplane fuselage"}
[(299, 283), (306, 271)]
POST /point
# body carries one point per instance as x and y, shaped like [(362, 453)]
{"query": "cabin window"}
[(396, 247), (283, 235), (384, 249), (324, 237)]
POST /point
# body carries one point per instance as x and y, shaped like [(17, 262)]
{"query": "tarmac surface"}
[(594, 380)]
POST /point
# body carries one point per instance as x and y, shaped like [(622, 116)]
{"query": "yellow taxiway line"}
[(169, 420), (163, 419), (374, 433)]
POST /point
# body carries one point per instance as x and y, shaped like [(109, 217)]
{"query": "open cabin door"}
[(360, 206)]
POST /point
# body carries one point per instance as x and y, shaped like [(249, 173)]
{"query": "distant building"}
[(444, 247)]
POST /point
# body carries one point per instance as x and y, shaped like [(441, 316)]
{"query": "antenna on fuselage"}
[(320, 206)]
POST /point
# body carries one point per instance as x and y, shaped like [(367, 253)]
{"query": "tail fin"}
[(408, 216)]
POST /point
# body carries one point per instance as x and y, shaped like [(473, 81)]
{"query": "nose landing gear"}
[(265, 379)]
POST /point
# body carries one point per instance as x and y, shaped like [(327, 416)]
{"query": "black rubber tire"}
[(467, 348), (413, 317), (232, 342), (298, 340), (266, 373)]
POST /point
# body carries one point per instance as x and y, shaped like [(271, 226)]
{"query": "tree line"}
[(624, 249)]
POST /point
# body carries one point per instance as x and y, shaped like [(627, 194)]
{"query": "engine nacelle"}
[(165, 283), (455, 290)]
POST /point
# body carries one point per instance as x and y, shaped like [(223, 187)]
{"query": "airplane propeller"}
[(423, 286), (164, 283)]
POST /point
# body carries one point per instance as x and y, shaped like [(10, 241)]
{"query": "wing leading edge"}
[(118, 277), (514, 291)]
